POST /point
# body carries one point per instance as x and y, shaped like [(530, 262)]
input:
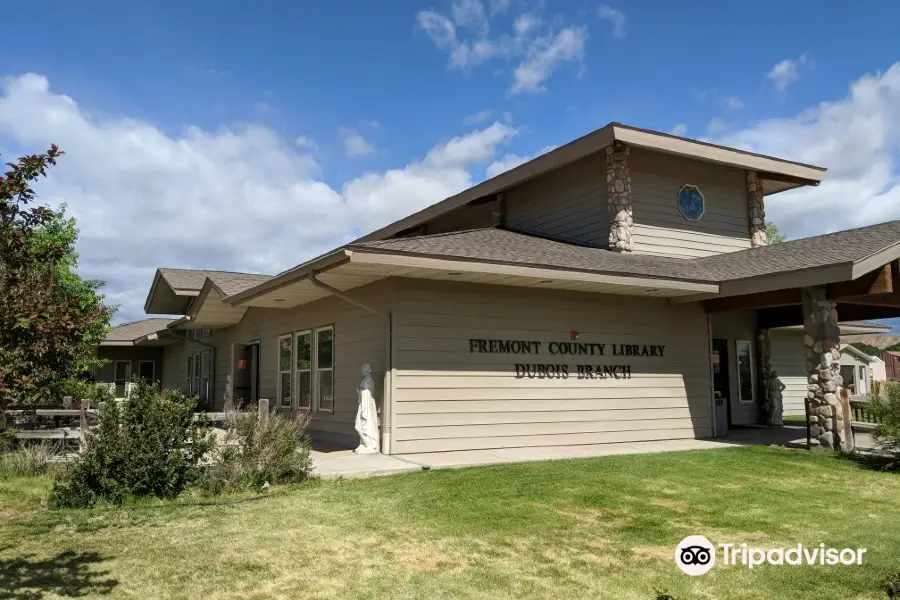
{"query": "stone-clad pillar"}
[(822, 349), (757, 207), (618, 181)]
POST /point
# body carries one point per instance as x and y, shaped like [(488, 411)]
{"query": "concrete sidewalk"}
[(335, 462), (342, 463)]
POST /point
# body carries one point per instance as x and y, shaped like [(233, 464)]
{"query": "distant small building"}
[(891, 365), (126, 360)]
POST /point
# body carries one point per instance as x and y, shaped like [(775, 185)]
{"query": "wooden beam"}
[(760, 300), (781, 316), (889, 299), (879, 281), (895, 273)]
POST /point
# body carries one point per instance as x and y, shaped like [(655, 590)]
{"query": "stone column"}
[(822, 350), (764, 360), (618, 181), (757, 207)]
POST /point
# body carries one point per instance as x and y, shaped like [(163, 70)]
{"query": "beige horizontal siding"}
[(660, 228), (447, 398), (788, 360), (474, 216), (569, 203), (359, 337), (568, 439)]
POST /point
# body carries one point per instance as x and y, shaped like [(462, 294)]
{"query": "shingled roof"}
[(510, 247), (228, 281), (129, 332)]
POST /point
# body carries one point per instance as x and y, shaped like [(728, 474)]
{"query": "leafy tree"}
[(773, 234), (50, 318)]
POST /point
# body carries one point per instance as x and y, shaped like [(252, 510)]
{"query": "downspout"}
[(212, 359), (712, 377), (388, 405)]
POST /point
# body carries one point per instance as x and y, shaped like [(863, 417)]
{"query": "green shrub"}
[(257, 453), (892, 586), (147, 445), (887, 413), (30, 461)]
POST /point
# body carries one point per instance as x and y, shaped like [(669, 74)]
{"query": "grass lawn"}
[(599, 528)]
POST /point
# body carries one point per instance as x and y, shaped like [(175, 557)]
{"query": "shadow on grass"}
[(871, 461), (68, 574)]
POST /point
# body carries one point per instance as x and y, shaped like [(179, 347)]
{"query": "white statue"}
[(776, 399), (367, 415)]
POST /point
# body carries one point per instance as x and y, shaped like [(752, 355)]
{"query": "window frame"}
[(279, 384), (152, 368), (737, 367), (308, 371), (317, 388)]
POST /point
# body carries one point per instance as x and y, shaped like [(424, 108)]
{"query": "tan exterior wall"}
[(133, 354), (359, 337), (448, 398), (787, 359), (568, 204), (737, 326), (660, 228)]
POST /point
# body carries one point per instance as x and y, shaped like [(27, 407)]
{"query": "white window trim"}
[(152, 366), (280, 395), (316, 370), (310, 370), (737, 368)]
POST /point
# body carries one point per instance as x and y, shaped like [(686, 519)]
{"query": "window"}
[(122, 377), (691, 202), (303, 349), (147, 370), (862, 386), (284, 371), (193, 373), (203, 384), (324, 392), (745, 371)]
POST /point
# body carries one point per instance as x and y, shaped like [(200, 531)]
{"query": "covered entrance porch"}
[(823, 297)]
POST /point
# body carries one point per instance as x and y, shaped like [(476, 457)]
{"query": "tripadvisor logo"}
[(696, 555)]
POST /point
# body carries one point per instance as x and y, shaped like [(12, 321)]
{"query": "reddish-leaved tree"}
[(49, 323)]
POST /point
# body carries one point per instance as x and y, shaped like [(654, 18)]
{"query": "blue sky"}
[(280, 115)]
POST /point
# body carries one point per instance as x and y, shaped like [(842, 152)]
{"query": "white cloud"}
[(537, 46), (615, 17), (355, 144), (545, 56), (470, 13), (680, 129), (234, 198), (474, 147), (479, 117), (734, 103), (499, 6), (787, 71), (857, 138), (303, 141), (716, 126), (511, 161)]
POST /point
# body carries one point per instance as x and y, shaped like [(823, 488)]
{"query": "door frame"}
[(723, 349)]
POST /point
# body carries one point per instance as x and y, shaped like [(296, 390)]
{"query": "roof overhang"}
[(354, 267), (163, 299), (776, 174)]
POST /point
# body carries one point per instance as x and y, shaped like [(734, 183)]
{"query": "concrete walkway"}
[(330, 462), (335, 462)]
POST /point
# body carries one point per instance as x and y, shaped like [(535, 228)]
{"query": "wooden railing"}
[(861, 413)]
